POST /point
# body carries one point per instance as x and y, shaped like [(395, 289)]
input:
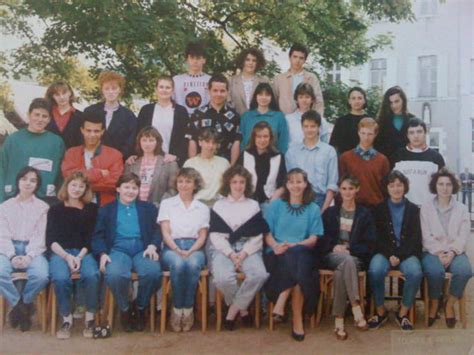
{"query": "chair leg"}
[(53, 310), (270, 315), (426, 301), (153, 312), (257, 309), (372, 306), (462, 311), (411, 313), (42, 310), (218, 310), (362, 293), (2, 313), (111, 306), (203, 286), (164, 303)]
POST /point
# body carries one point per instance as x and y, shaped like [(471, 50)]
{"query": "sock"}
[(89, 316), (187, 311), (178, 311), (68, 319), (339, 323), (357, 312)]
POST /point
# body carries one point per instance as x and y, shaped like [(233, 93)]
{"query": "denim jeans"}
[(460, 267), (127, 257), (63, 285), (37, 276), (411, 269), (184, 273)]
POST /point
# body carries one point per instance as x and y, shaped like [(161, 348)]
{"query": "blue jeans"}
[(127, 256), (411, 269), (37, 276), (63, 285), (460, 267), (184, 273)]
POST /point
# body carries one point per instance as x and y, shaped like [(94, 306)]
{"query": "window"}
[(334, 74), (427, 76), (472, 134), (378, 73), (472, 76), (434, 140), (428, 7)]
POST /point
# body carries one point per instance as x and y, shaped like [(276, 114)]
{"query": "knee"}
[(222, 279), (435, 273), (258, 275), (115, 275)]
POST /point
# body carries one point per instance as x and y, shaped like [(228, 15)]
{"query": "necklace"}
[(295, 210)]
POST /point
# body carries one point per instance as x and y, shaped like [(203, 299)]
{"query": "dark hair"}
[(415, 122), (127, 177), (209, 134), (385, 113), (351, 179), (311, 115), (391, 177), (93, 117), (308, 193), (57, 86), (149, 132), (22, 173), (358, 89), (304, 89), (40, 103), (257, 53), (258, 127), (218, 78), (190, 173), (230, 173), (444, 172), (195, 49), (298, 47), (165, 77), (264, 87)]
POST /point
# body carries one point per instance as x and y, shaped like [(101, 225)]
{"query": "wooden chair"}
[(462, 300), (219, 299), (40, 300), (201, 294)]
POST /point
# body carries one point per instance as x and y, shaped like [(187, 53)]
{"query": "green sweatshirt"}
[(43, 151)]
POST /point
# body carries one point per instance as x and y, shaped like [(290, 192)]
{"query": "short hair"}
[(264, 87), (308, 193), (229, 174), (311, 115), (298, 47), (304, 89), (195, 49), (351, 179), (444, 172), (93, 117), (218, 78), (358, 89), (257, 53), (368, 122), (391, 177), (259, 126), (149, 131), (108, 76), (40, 103), (415, 122), (86, 197), (22, 173), (209, 134), (55, 88), (167, 78), (193, 174), (128, 177)]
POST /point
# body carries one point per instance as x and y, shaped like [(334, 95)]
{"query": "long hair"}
[(385, 114), (149, 131), (259, 126), (236, 170), (264, 87), (308, 193), (86, 197)]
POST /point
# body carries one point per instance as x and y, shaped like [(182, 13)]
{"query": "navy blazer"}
[(71, 134), (105, 230)]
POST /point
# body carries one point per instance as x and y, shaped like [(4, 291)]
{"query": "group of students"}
[(219, 176)]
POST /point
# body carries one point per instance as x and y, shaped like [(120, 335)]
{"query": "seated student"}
[(264, 107), (210, 167), (445, 226), (68, 237), (66, 121), (125, 240), (22, 244), (236, 233), (101, 164), (317, 158), (120, 122), (295, 226), (157, 175), (349, 238), (398, 246), (32, 146), (184, 223)]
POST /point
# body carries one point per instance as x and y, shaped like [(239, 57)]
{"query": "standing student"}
[(467, 182), (285, 83)]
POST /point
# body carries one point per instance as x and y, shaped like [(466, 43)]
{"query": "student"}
[(366, 164), (101, 164), (125, 240), (157, 175), (220, 116), (305, 99), (264, 107), (285, 83), (191, 89), (66, 119), (68, 237), (184, 223), (445, 225), (170, 119), (295, 226), (210, 166), (345, 135), (242, 85), (317, 158), (120, 122), (398, 245), (22, 244), (349, 238), (418, 162), (467, 182), (236, 233), (32, 146)]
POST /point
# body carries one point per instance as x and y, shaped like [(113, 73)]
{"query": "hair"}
[(149, 131), (415, 122), (351, 179), (298, 47), (209, 134), (444, 172), (55, 88), (304, 89), (40, 103), (93, 117), (22, 173), (107, 76), (257, 53), (230, 173), (391, 177), (195, 49), (128, 177), (368, 122), (308, 193), (193, 174), (165, 77), (218, 78), (385, 113), (259, 126), (358, 89), (311, 115), (264, 87), (86, 197)]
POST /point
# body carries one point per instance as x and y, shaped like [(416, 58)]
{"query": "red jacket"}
[(105, 158)]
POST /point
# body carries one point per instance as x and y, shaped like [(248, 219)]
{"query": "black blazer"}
[(410, 235), (71, 135), (389, 139), (122, 130)]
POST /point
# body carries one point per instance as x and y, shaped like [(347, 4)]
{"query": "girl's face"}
[(164, 90), (237, 186), (264, 99), (185, 185), (444, 187), (262, 139), (62, 97), (396, 104), (76, 189), (148, 144), (28, 183), (304, 102), (128, 192), (356, 101), (250, 64), (348, 191), (296, 185), (396, 190), (111, 91)]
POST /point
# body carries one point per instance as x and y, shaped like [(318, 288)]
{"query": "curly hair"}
[(308, 193), (193, 174), (257, 53), (236, 170), (108, 76), (444, 172)]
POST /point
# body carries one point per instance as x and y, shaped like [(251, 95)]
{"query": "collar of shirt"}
[(230, 198), (303, 146), (417, 150), (179, 202), (443, 209), (289, 74), (108, 108), (97, 152), (269, 113), (121, 205), (223, 110), (58, 114), (365, 154), (29, 200)]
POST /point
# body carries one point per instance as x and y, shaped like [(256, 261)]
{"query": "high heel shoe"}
[(296, 336), (450, 322)]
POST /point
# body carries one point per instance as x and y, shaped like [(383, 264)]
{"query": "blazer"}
[(237, 92), (71, 134), (163, 182), (105, 230), (178, 141)]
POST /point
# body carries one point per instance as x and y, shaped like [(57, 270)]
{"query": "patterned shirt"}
[(365, 154)]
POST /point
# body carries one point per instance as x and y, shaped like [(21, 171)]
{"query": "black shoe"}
[(451, 322), (25, 323), (139, 323), (247, 320), (431, 321), (15, 315), (404, 323), (25, 311), (296, 336), (229, 324), (376, 321), (126, 321)]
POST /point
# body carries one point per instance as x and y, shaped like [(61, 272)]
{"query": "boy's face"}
[(218, 93), (92, 133), (416, 136), (195, 63), (297, 60), (128, 192), (310, 129), (367, 136), (208, 147), (39, 119)]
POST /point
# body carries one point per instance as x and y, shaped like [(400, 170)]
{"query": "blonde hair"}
[(368, 122), (86, 197)]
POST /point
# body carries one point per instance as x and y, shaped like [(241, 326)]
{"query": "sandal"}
[(340, 333)]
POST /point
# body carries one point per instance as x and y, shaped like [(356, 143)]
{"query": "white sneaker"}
[(65, 331)]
